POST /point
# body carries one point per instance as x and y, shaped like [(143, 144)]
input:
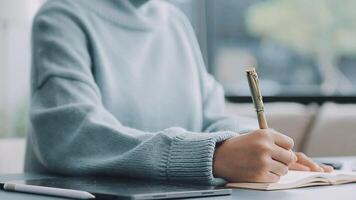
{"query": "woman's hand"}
[(304, 163), (259, 156)]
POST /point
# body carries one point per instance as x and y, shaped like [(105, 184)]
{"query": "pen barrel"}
[(262, 122), (257, 97)]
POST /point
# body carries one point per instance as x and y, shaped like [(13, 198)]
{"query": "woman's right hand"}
[(260, 156)]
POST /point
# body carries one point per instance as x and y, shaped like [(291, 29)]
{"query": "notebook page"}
[(293, 179), (298, 176), (340, 177), (296, 179)]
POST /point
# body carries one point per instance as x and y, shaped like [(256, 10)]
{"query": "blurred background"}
[(300, 48), (15, 28), (304, 51)]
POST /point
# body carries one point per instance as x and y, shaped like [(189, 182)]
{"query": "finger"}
[(327, 168), (299, 167), (268, 178), (284, 156), (305, 160), (278, 168), (283, 140)]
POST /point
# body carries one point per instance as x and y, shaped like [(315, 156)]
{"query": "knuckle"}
[(301, 154), (263, 148), (274, 132), (288, 141), (263, 164), (262, 134), (290, 157)]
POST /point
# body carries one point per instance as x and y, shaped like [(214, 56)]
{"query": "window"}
[(300, 48), (15, 26)]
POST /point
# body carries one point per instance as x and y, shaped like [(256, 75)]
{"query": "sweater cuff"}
[(190, 157)]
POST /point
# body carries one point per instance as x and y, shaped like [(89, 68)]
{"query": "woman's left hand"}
[(304, 163)]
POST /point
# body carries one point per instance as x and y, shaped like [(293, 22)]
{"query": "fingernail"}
[(295, 158)]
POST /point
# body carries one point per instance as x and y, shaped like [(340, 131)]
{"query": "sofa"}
[(326, 130)]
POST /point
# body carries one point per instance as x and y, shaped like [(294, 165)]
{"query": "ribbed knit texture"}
[(119, 88)]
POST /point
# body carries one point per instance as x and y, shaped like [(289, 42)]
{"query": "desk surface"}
[(347, 191)]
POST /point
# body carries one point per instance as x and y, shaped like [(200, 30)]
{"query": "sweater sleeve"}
[(72, 132), (214, 115)]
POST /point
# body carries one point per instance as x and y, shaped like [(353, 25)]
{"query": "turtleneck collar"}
[(138, 3), (134, 4), (134, 14)]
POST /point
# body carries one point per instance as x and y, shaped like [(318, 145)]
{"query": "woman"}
[(119, 87)]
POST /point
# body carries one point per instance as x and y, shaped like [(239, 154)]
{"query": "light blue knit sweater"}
[(119, 87)]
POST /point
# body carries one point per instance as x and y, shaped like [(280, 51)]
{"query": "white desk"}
[(340, 192)]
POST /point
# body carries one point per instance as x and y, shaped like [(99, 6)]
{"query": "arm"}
[(74, 134), (215, 117)]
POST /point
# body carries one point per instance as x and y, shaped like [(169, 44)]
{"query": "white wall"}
[(15, 28), (12, 153)]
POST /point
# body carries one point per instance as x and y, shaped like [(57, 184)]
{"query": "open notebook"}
[(297, 179)]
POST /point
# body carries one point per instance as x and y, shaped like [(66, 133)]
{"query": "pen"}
[(74, 194), (257, 97)]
